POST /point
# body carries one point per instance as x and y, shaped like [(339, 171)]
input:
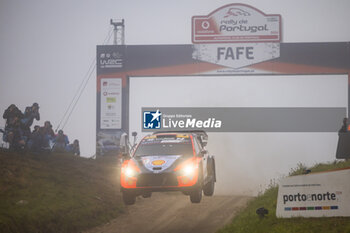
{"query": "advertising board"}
[(325, 194), (236, 23), (111, 103)]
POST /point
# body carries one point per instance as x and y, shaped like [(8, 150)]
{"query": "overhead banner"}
[(236, 23), (236, 55), (324, 194)]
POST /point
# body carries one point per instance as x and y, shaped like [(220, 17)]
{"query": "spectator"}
[(345, 126), (48, 134), (60, 142), (35, 141), (74, 148), (14, 135), (30, 114), (10, 114)]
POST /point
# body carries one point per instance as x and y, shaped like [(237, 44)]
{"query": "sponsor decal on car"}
[(162, 162), (158, 162)]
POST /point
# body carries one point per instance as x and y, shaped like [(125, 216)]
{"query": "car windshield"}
[(164, 147)]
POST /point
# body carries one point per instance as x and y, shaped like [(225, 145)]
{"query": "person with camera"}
[(12, 132), (10, 114), (30, 113)]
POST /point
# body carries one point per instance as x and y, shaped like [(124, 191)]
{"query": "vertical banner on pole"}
[(111, 103), (110, 117)]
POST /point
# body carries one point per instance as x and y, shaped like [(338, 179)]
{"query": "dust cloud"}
[(246, 163)]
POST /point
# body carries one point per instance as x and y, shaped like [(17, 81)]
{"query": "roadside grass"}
[(56, 193), (247, 221)]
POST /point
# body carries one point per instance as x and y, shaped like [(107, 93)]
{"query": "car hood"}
[(158, 163)]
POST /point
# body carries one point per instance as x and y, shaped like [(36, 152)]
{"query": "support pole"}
[(119, 32)]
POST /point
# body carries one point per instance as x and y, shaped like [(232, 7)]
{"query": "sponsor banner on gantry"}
[(325, 194), (236, 23), (236, 55)]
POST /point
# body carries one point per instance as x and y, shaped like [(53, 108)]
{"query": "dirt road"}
[(174, 213)]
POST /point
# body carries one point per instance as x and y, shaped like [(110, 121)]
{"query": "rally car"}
[(169, 161)]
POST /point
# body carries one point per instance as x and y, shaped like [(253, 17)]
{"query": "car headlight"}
[(188, 170), (129, 172), (130, 169)]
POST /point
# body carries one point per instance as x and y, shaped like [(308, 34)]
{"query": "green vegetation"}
[(56, 193), (247, 221)]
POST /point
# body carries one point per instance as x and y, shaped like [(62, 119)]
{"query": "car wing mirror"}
[(202, 153)]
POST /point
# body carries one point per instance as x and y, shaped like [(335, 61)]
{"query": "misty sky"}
[(47, 48)]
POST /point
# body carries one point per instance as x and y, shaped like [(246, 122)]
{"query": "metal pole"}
[(119, 30), (123, 33)]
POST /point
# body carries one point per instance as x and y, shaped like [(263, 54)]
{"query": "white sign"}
[(111, 103), (315, 195), (236, 55), (236, 23)]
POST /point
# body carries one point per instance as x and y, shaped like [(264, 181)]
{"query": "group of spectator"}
[(18, 134)]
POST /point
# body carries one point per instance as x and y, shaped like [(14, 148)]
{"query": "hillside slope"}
[(56, 192)]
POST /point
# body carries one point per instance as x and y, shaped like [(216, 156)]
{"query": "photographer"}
[(30, 113), (10, 114), (12, 133)]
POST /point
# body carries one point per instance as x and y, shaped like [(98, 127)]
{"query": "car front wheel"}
[(208, 188), (196, 195)]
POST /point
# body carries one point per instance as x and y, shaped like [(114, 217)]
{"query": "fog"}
[(247, 162), (47, 48)]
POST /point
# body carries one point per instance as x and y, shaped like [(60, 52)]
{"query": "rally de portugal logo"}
[(152, 120)]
